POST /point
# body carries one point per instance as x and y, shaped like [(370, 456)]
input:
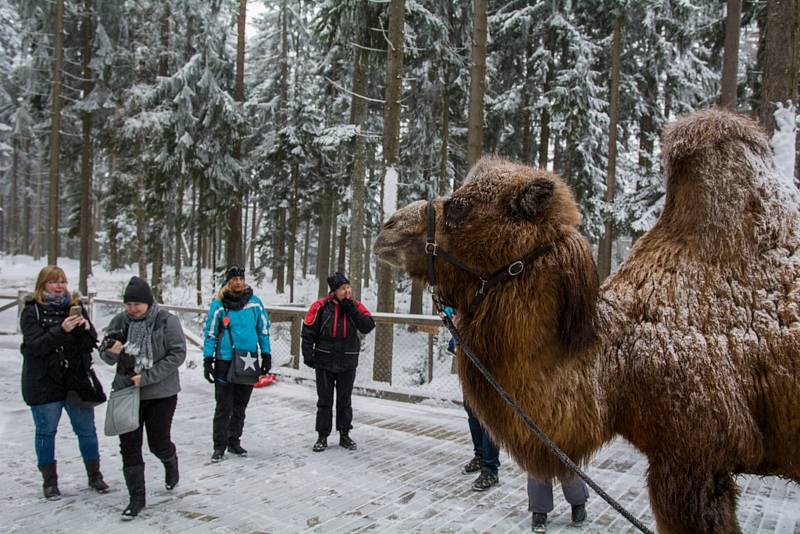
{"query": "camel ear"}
[(579, 292), (533, 199)]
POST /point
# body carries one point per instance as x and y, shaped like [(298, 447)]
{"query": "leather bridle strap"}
[(501, 275), (432, 250)]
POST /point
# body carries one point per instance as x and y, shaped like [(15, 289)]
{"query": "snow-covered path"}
[(405, 477)]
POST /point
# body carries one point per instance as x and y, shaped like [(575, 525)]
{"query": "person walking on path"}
[(236, 318), (540, 500), (57, 343), (148, 346), (331, 345)]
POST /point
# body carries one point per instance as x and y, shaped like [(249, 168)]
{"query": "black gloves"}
[(208, 369), (348, 306), (266, 363)]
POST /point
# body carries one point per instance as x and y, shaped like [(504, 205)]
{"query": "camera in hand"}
[(111, 338)]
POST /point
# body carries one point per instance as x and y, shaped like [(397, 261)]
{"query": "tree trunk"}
[(340, 264), (141, 223), (55, 137), (444, 150), (280, 251), (730, 62), (384, 334), (367, 257), (334, 226), (233, 240), (527, 116), (358, 116), (604, 250), (781, 61), (87, 152), (178, 261), (253, 234), (158, 266), (293, 215), (198, 229), (324, 241), (11, 227), (544, 131), (306, 238), (477, 84), (26, 201), (417, 288)]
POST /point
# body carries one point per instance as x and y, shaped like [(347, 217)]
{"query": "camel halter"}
[(432, 250), (446, 314)]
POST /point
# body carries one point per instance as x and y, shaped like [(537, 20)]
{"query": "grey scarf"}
[(140, 342)]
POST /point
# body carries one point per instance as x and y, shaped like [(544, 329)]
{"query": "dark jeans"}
[(46, 417), (484, 447), (155, 416), (342, 382), (232, 400)]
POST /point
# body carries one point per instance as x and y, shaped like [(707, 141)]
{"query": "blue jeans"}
[(485, 449), (46, 417)]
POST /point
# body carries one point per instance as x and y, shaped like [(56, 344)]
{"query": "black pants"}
[(232, 400), (343, 383), (155, 416)]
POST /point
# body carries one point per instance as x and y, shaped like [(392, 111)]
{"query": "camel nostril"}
[(389, 224)]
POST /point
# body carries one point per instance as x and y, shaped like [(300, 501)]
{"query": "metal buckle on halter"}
[(514, 272), (483, 287), (431, 247)]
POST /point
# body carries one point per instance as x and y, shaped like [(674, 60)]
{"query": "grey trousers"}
[(540, 494)]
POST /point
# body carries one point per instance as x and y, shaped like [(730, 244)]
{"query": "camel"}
[(689, 350)]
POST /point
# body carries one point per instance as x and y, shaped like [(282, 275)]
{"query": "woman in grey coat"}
[(148, 346)]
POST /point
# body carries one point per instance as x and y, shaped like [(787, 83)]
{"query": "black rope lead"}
[(448, 322)]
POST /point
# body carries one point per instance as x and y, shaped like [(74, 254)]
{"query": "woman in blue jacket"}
[(236, 317)]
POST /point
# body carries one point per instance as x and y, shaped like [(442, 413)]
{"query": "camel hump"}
[(704, 131), (723, 191)]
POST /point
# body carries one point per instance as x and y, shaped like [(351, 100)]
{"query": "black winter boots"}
[(237, 450), (321, 444), (345, 441), (171, 475), (134, 478), (50, 478), (96, 481)]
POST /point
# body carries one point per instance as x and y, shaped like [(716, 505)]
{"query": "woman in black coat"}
[(57, 354), (331, 344)]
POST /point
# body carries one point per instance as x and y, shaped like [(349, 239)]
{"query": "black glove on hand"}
[(208, 369), (348, 306), (266, 363)]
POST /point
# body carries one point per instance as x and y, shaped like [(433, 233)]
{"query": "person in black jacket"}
[(56, 350), (331, 345)]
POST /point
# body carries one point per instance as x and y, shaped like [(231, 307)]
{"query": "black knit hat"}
[(138, 290), (337, 280), (232, 272)]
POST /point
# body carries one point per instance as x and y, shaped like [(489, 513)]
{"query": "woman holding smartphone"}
[(57, 338)]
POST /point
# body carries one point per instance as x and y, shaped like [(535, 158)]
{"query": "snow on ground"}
[(405, 476)]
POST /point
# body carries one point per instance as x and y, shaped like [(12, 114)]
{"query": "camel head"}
[(502, 212)]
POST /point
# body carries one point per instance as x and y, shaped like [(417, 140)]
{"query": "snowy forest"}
[(182, 135)]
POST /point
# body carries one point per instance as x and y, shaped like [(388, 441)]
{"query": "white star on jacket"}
[(249, 361)]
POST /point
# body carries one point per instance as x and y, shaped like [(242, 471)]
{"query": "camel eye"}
[(455, 211)]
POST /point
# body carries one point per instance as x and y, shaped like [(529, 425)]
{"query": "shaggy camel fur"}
[(689, 351)]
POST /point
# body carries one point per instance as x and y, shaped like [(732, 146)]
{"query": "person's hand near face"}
[(344, 292)]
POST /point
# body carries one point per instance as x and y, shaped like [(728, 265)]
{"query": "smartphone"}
[(75, 310)]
